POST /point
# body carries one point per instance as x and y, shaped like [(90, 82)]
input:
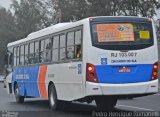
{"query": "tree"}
[(99, 7), (79, 9), (7, 33), (145, 8), (45, 10), (27, 17), (64, 10)]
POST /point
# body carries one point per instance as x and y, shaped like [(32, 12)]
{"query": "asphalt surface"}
[(39, 107)]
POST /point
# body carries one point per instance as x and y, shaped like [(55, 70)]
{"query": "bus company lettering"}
[(123, 61), (51, 75), (72, 67), (22, 76)]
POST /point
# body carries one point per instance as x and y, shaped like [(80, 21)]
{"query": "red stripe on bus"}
[(41, 82)]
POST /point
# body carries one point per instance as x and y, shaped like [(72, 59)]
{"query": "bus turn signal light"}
[(155, 71), (91, 75)]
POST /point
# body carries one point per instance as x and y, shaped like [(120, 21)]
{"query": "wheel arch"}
[(50, 83), (15, 83)]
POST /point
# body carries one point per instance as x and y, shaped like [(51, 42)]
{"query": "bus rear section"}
[(122, 59)]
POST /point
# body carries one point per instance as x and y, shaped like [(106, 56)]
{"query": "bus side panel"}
[(30, 81), (42, 85), (17, 77), (67, 78)]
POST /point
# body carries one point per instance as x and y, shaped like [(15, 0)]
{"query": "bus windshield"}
[(122, 35)]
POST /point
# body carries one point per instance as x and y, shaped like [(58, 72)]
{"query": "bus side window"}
[(22, 55), (78, 44), (36, 52), (78, 51), (26, 58), (31, 53), (17, 57), (41, 54), (62, 47), (55, 51), (47, 51), (15, 54), (70, 45)]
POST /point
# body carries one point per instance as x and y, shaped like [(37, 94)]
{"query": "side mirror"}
[(10, 60)]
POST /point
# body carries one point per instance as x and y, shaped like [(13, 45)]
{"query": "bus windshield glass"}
[(128, 35)]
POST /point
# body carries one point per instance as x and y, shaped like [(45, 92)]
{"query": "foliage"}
[(124, 7), (26, 16), (7, 32)]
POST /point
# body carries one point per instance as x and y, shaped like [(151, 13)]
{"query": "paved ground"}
[(36, 107)]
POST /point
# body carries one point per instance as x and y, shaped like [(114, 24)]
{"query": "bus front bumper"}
[(93, 89)]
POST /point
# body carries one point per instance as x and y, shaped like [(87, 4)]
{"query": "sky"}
[(6, 4), (158, 14)]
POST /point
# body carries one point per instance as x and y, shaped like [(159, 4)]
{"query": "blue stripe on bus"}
[(27, 78), (111, 74)]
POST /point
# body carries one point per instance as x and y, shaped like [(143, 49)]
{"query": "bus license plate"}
[(123, 70)]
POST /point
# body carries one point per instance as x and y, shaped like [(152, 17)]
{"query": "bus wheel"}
[(106, 103), (19, 99), (54, 103)]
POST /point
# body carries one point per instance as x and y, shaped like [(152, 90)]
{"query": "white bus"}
[(98, 58)]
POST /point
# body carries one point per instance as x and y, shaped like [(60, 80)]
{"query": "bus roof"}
[(40, 33), (46, 31), (16, 42)]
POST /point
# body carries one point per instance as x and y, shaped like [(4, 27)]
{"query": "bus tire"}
[(54, 103), (19, 99), (106, 103)]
